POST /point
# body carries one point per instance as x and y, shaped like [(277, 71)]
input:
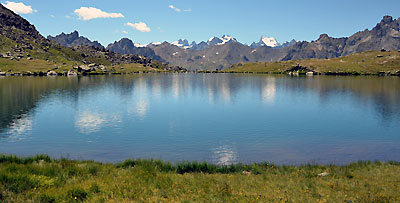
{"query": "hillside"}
[(23, 50), (365, 63)]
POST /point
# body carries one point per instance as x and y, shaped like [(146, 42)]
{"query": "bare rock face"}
[(385, 35), (73, 39), (126, 46)]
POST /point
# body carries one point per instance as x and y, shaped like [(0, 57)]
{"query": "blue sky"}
[(169, 20)]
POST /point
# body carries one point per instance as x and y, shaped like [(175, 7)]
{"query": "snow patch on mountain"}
[(182, 43), (140, 45), (269, 41), (266, 41)]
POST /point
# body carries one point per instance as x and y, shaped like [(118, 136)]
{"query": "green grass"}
[(42, 179), (365, 63)]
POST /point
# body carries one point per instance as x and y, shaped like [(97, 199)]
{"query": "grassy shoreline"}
[(382, 63), (42, 179), (365, 63)]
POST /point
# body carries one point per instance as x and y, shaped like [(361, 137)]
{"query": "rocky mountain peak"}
[(74, 34), (323, 37), (265, 41), (73, 39), (386, 20), (125, 41)]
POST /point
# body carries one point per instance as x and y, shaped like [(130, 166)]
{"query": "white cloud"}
[(142, 27), (178, 9), (174, 8), (52, 16), (19, 8), (89, 13), (124, 31)]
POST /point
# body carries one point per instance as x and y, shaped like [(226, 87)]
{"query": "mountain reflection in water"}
[(198, 116)]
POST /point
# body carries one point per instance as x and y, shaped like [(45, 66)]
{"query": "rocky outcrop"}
[(126, 46), (73, 39), (385, 35)]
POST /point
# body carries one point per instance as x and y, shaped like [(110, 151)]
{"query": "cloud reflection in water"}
[(268, 90), (225, 155), (19, 128), (90, 122)]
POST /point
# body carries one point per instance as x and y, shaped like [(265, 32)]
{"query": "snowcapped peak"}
[(269, 41), (140, 45), (212, 38), (155, 43), (182, 43), (266, 41), (227, 38), (220, 40)]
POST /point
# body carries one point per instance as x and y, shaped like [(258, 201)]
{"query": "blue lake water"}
[(220, 118)]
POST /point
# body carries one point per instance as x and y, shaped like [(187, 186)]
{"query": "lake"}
[(219, 118)]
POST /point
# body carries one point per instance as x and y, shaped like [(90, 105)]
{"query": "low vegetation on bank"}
[(365, 63), (42, 179)]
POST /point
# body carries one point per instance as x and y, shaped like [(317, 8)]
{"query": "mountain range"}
[(19, 39), (223, 52)]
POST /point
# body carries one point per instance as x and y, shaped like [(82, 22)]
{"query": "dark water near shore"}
[(220, 118)]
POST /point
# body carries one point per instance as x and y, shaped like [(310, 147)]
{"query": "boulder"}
[(103, 68), (323, 174), (72, 73), (51, 73), (246, 173), (3, 73), (85, 68), (310, 73)]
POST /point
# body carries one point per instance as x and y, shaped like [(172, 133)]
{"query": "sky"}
[(145, 21)]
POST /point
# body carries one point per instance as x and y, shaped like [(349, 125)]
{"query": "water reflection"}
[(268, 90), (281, 118), (175, 85), (19, 128), (225, 91), (225, 155), (89, 122), (141, 108)]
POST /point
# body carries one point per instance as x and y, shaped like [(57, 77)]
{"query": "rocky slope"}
[(385, 35), (20, 40)]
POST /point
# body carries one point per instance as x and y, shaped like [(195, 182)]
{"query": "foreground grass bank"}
[(365, 63), (42, 179)]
